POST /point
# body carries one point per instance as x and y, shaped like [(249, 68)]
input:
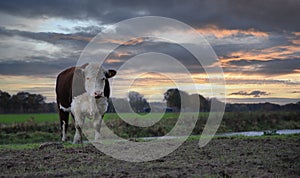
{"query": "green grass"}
[(112, 116), (27, 137), (53, 117), (17, 118), (229, 116), (25, 146)]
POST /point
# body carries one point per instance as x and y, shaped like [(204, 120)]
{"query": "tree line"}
[(175, 101), (24, 102)]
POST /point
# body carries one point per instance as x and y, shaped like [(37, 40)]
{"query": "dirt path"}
[(225, 157)]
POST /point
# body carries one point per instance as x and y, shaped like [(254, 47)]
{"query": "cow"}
[(89, 79)]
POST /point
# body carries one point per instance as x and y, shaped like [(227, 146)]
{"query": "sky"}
[(257, 44)]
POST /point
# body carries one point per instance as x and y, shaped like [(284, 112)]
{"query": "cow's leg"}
[(64, 121), (79, 120), (97, 126), (77, 136)]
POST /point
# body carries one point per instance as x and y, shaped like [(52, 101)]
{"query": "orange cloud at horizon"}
[(133, 41), (276, 52), (109, 61), (221, 32)]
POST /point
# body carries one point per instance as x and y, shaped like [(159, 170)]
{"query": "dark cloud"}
[(77, 40), (182, 55), (227, 45), (49, 68), (255, 93), (269, 67), (267, 15)]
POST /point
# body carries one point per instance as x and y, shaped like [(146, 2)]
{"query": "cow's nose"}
[(98, 94)]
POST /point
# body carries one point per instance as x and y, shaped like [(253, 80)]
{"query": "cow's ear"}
[(84, 65), (110, 73)]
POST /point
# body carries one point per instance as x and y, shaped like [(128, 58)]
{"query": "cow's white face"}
[(94, 79)]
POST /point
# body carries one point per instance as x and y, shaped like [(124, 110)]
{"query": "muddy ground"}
[(222, 157)]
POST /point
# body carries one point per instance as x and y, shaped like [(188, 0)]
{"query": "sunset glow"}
[(260, 57)]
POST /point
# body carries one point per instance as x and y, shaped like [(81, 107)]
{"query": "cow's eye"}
[(88, 78), (103, 78)]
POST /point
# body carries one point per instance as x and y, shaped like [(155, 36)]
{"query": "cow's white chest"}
[(88, 106)]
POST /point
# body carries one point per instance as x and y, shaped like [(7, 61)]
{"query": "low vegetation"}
[(18, 118), (30, 146), (32, 128)]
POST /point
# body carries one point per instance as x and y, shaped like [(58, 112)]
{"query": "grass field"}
[(21, 136), (24, 128), (53, 117), (17, 118), (232, 121)]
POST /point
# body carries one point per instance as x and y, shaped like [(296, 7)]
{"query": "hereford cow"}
[(90, 78)]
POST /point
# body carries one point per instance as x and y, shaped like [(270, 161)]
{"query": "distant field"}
[(231, 122), (17, 118), (53, 117), (110, 116)]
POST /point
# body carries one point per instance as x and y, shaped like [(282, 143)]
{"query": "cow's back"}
[(64, 87)]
